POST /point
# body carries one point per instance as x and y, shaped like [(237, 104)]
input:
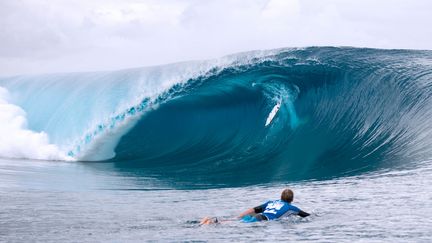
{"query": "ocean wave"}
[(287, 113)]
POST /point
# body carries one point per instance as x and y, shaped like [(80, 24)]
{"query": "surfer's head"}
[(287, 195)]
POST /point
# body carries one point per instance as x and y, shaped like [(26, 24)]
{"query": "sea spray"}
[(17, 141)]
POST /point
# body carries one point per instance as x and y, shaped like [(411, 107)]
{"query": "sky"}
[(46, 36)]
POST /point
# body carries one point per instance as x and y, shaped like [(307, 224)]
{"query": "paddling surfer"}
[(270, 210)]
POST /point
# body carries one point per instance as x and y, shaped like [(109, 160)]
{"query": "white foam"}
[(17, 141)]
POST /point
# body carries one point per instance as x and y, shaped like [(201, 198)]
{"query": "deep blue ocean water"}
[(143, 154)]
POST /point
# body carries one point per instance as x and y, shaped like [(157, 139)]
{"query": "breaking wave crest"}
[(276, 115)]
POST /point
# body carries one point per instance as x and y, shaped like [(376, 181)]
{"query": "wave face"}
[(287, 114)]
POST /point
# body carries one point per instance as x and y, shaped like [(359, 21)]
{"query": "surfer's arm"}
[(247, 212), (302, 214), (255, 210)]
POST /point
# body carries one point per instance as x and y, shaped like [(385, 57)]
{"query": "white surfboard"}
[(273, 113)]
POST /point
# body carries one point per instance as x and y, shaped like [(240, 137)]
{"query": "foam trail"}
[(294, 120), (16, 141)]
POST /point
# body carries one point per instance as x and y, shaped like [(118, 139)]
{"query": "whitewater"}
[(346, 128)]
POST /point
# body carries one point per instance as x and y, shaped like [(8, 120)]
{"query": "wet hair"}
[(287, 195)]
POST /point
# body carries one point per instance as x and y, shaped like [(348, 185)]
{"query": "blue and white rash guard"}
[(278, 208)]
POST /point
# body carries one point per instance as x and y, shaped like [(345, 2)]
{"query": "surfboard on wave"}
[(273, 113)]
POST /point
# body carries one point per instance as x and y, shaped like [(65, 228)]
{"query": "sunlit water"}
[(76, 202)]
